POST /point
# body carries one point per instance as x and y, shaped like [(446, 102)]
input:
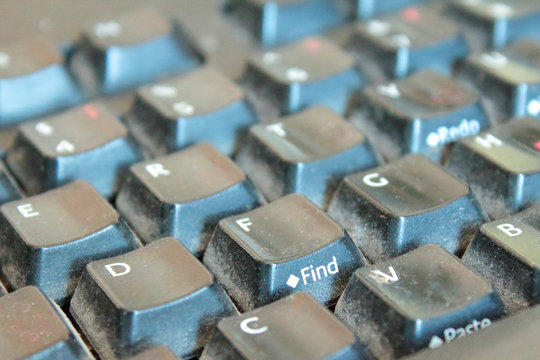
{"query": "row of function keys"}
[(107, 60)]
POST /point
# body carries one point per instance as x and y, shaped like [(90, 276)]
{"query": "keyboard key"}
[(296, 327), (159, 294), (9, 190), (31, 327), (155, 353), (405, 204), (200, 106), (502, 166), (87, 143), (419, 114), (48, 238), (282, 21), (33, 81), (288, 79), (3, 290), (405, 42), (131, 49), (368, 8), (184, 195), (306, 153), (506, 253), (508, 80), (286, 246), (423, 298)]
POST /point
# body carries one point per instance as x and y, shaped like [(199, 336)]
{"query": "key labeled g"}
[(374, 180)]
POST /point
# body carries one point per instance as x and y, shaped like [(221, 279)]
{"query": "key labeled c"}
[(374, 180), (244, 325)]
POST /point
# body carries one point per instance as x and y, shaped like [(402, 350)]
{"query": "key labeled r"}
[(375, 180), (156, 170), (248, 329), (118, 269)]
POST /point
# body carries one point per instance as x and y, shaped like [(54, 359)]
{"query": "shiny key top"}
[(370, 8), (290, 78), (184, 195), (287, 246), (87, 143), (33, 328), (159, 295), (296, 327), (501, 165), (48, 238), (200, 106), (307, 153), (419, 114), (122, 52), (33, 81), (392, 209), (423, 298)]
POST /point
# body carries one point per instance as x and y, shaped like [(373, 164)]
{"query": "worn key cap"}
[(369, 8), (501, 165), (306, 153), (286, 246), (507, 253), (419, 114), (405, 204), (184, 195), (405, 42), (87, 143), (33, 328), (287, 79), (155, 353), (47, 239), (33, 81), (296, 327), (423, 298), (131, 49), (159, 294), (200, 106)]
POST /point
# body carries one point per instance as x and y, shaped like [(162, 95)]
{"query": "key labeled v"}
[(382, 277)]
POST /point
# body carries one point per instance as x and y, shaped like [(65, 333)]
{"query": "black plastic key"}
[(129, 50), (306, 153), (286, 246), (159, 295), (507, 253), (33, 81), (200, 106), (369, 8), (405, 204), (501, 165), (423, 298), (184, 195), (155, 353), (87, 143), (405, 42), (296, 327), (9, 190), (47, 239), (419, 114), (313, 71), (33, 328)]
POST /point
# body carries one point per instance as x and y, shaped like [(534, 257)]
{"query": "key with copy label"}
[(286, 246), (159, 294), (391, 209), (295, 327), (423, 298)]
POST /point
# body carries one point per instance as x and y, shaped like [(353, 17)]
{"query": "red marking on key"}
[(91, 111), (537, 145), (411, 14), (312, 45)]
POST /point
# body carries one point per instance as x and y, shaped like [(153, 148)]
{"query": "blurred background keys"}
[(290, 78), (129, 50), (48, 238), (184, 195), (501, 165), (296, 327), (390, 210), (426, 297), (507, 253), (286, 246), (405, 42), (307, 153), (87, 143), (419, 114), (200, 106), (31, 327), (159, 294), (33, 81), (369, 8)]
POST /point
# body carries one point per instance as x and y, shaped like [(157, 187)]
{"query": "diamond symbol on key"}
[(293, 281)]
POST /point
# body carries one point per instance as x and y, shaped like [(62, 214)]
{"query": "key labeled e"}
[(118, 269), (27, 211), (375, 180)]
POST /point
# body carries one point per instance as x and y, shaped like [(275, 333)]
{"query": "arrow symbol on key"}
[(381, 277)]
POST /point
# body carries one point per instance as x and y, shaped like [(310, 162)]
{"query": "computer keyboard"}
[(252, 179)]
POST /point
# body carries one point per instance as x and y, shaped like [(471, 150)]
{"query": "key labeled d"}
[(118, 269)]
